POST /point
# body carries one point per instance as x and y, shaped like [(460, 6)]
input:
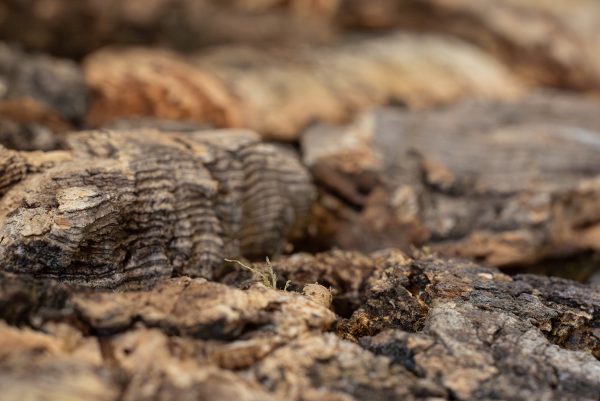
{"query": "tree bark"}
[(503, 183), (546, 42), (242, 86), (415, 329), (40, 98), (125, 208), (74, 29)]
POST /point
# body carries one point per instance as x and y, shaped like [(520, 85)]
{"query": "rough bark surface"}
[(521, 338), (128, 254), (504, 183), (242, 86), (125, 208), (547, 42)]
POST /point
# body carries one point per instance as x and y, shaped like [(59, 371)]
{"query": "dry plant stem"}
[(268, 276)]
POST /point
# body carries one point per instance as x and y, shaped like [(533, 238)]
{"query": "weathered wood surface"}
[(73, 29), (504, 183), (40, 97), (125, 208), (553, 42), (407, 322), (242, 86)]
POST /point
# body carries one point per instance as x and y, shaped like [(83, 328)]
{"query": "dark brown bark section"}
[(74, 29), (504, 183), (40, 98), (426, 329)]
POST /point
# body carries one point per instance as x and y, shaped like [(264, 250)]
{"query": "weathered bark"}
[(40, 97), (125, 208), (504, 183), (36, 86), (74, 29), (28, 136), (547, 42), (279, 92), (426, 329)]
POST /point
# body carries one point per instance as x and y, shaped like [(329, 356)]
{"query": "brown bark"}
[(40, 97), (242, 86), (33, 84), (504, 183), (426, 329), (125, 208), (74, 29), (546, 42)]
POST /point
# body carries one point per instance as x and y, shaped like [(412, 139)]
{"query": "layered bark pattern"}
[(129, 207)]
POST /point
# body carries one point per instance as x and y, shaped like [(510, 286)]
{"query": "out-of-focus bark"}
[(40, 97), (279, 92), (549, 42), (125, 208), (504, 183), (75, 28)]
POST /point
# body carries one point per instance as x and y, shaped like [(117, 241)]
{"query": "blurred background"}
[(469, 127)]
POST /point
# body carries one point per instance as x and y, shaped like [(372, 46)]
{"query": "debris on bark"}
[(126, 208), (241, 86), (502, 183)]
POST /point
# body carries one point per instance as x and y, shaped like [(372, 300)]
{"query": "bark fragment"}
[(125, 208), (546, 42), (241, 86), (503, 183), (40, 98), (480, 335)]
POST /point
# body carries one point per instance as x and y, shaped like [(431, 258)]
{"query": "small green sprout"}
[(268, 277)]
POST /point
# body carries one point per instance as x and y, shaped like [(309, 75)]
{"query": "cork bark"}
[(41, 97), (502, 183), (154, 245), (126, 208), (57, 26), (233, 86), (546, 42), (396, 326)]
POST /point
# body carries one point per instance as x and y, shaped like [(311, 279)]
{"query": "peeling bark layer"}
[(242, 86), (125, 208), (418, 329), (504, 183)]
